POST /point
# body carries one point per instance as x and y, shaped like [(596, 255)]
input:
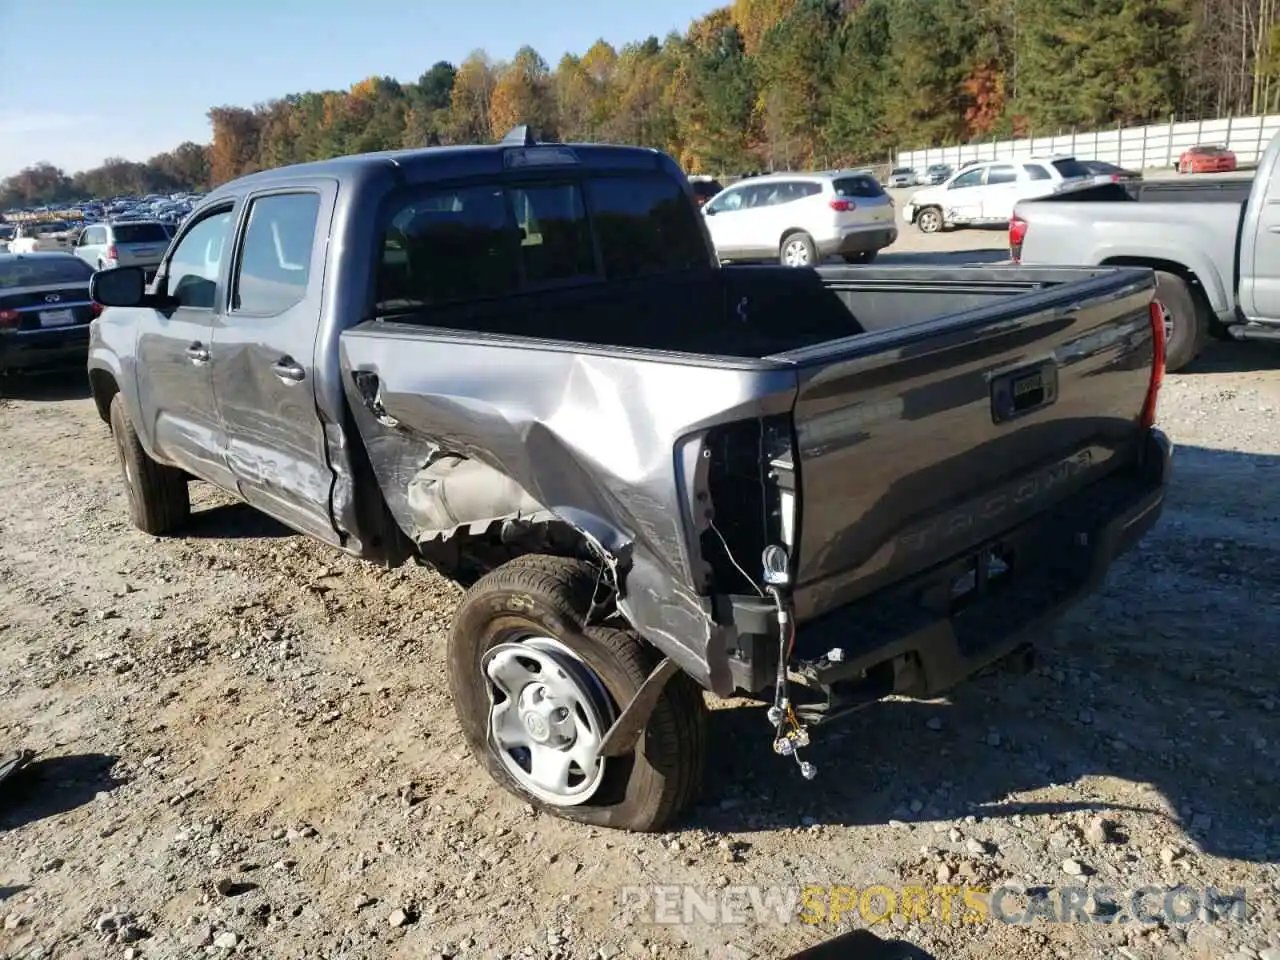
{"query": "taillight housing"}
[(113, 253), (95, 309), (843, 206), (9, 319), (1157, 365), (1017, 234)]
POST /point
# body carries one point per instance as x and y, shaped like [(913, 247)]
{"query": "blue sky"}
[(158, 66)]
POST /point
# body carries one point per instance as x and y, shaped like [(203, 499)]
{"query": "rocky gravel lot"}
[(245, 745)]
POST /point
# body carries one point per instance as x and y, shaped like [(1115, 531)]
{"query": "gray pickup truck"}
[(522, 365), (1214, 244)]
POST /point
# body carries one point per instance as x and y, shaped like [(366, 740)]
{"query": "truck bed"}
[(887, 396)]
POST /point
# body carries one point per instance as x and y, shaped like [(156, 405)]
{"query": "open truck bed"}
[(880, 422)]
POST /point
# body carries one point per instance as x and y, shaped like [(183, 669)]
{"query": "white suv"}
[(985, 193), (801, 219)]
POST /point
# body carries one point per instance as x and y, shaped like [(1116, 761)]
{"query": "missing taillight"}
[(1159, 320)]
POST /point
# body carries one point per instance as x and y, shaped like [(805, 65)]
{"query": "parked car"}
[(1214, 244), (6, 234), (985, 194), (801, 219), (935, 173), (139, 243), (902, 177), (704, 188), (522, 364), (1103, 172), (50, 236), (45, 311), (1207, 159)]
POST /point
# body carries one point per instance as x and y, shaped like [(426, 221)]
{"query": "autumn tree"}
[(234, 151), (522, 94), (470, 99)]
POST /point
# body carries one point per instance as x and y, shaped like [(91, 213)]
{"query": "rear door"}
[(139, 244), (175, 390), (263, 357), (92, 246)]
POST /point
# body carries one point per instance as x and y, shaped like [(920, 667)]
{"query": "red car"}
[(1207, 160)]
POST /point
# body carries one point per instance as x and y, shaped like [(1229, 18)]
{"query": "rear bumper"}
[(859, 240), (39, 349), (916, 639)]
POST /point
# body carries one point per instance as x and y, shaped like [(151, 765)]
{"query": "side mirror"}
[(709, 210), (118, 287)]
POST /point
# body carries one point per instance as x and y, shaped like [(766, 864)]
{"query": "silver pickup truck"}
[(1213, 243), (523, 365)]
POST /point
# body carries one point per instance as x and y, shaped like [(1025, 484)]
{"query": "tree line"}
[(778, 84)]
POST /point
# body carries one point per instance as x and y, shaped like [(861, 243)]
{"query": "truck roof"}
[(421, 164)]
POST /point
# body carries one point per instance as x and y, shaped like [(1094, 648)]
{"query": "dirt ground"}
[(246, 745)]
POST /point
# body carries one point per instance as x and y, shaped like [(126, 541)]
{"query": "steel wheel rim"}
[(795, 254), (548, 713)]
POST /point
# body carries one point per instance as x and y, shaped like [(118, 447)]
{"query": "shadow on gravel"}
[(861, 945), (1164, 680), (62, 384), (1235, 357), (54, 785), (234, 521), (7, 892)]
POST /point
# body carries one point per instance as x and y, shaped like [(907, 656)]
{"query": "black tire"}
[(805, 247), (159, 500), (550, 596), (929, 220), (864, 256), (1190, 326)]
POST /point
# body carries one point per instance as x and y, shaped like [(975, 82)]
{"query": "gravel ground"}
[(246, 746)]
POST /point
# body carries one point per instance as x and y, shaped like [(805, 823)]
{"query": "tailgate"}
[(919, 444), (139, 254)]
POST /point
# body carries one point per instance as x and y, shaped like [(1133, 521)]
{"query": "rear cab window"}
[(1071, 168), (459, 244), (857, 185), (139, 233)]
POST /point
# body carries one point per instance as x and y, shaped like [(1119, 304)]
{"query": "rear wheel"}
[(798, 250), (159, 500), (1186, 326), (929, 220), (536, 689)]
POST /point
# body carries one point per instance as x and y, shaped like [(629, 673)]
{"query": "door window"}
[(192, 277), (1001, 174), (970, 178), (275, 257), (727, 201), (1036, 172)]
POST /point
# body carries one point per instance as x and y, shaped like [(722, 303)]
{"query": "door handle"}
[(1275, 229), (198, 353), (288, 370)]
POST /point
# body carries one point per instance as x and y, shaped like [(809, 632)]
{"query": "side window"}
[(555, 240), (193, 268), (1036, 172), (449, 245), (275, 258), (970, 178), (729, 200), (1002, 174)]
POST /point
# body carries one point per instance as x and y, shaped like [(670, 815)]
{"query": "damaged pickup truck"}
[(521, 364)]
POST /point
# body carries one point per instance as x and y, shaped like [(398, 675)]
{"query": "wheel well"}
[(467, 556), (1198, 295), (104, 387)]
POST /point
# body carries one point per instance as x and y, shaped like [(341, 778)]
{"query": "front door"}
[(264, 377), (175, 391), (728, 220), (1260, 286), (964, 197)]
